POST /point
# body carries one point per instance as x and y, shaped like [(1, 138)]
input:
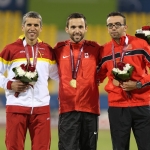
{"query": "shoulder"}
[(138, 41), (108, 44), (13, 45), (92, 43), (61, 44), (43, 44)]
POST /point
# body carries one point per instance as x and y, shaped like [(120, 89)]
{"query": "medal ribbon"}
[(123, 52), (34, 56), (75, 70)]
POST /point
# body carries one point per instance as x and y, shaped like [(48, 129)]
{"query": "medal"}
[(116, 83), (73, 83)]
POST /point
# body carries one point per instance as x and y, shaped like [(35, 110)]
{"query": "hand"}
[(19, 86), (128, 85)]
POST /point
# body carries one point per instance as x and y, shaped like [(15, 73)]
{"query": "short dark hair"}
[(31, 14), (75, 15), (117, 14)]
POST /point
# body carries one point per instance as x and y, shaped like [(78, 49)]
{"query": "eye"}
[(36, 25), (73, 27), (80, 27), (118, 24), (110, 25), (29, 25)]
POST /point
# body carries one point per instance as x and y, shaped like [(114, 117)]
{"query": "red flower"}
[(146, 28), (31, 68), (24, 67), (120, 65)]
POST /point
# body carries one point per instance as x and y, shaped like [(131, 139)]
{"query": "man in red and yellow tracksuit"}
[(30, 110)]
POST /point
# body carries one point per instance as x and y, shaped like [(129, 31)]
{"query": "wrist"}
[(138, 85), (9, 85)]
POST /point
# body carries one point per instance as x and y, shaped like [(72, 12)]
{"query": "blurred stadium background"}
[(54, 13)]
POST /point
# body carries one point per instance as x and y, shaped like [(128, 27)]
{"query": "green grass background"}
[(104, 140), (57, 11)]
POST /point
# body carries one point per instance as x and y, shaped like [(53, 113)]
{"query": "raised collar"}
[(123, 41)]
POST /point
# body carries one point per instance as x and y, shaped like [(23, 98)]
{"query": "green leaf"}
[(25, 79), (123, 77)]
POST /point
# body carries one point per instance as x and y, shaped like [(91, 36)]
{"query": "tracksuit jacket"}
[(35, 100), (137, 54), (85, 97)]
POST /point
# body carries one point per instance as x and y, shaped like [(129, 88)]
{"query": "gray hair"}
[(31, 14)]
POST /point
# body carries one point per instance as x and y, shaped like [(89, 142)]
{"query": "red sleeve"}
[(146, 78)]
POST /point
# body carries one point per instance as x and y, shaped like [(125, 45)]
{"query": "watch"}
[(138, 85)]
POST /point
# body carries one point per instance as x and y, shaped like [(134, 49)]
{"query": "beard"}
[(77, 38)]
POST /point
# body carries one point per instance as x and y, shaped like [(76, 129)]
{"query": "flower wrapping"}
[(26, 74), (122, 72)]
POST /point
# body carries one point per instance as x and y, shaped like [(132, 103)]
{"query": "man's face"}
[(76, 29), (31, 29), (116, 27)]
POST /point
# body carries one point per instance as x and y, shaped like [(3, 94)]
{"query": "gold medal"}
[(73, 83)]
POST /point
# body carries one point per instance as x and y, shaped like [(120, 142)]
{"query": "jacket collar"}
[(124, 40)]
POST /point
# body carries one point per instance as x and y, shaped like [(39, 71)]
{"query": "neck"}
[(117, 41), (30, 42), (72, 42)]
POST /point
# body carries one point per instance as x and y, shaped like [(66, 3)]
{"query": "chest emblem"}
[(86, 55)]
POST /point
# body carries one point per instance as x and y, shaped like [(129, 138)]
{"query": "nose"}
[(77, 30), (32, 27), (113, 26)]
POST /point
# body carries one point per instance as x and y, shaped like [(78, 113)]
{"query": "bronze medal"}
[(73, 83), (116, 83)]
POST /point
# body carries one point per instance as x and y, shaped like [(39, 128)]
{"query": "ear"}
[(86, 28), (66, 29), (22, 28), (41, 29), (125, 27)]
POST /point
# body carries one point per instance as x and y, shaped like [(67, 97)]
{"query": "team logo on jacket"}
[(65, 56), (22, 51), (40, 48), (86, 55)]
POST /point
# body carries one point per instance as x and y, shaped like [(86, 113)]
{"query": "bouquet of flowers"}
[(144, 33), (26, 74), (122, 72)]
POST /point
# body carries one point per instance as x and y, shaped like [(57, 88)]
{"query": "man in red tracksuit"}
[(79, 106), (129, 102)]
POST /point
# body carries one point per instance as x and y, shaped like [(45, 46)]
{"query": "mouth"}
[(77, 35), (31, 33), (114, 33)]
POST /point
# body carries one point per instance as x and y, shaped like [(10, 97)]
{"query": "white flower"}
[(146, 32), (127, 67), (139, 31), (115, 69), (122, 71), (123, 74), (28, 75), (20, 71), (33, 74)]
